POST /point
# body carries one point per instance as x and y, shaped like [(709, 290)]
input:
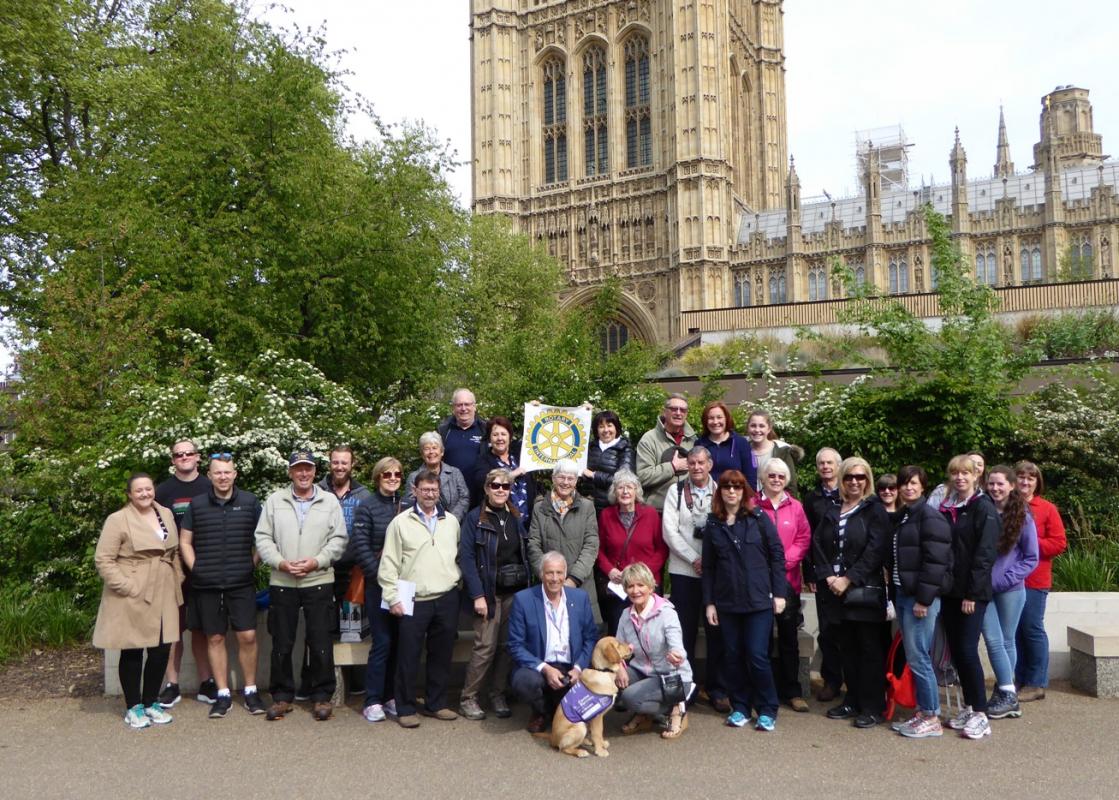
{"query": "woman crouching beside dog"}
[(650, 625)]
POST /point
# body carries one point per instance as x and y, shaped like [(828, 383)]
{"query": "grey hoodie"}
[(659, 633)]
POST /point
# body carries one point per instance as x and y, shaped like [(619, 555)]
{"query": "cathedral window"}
[(741, 290), (986, 267), (615, 336), (594, 111), (639, 137), (899, 276), (1080, 258), (817, 284), (777, 289), (555, 121)]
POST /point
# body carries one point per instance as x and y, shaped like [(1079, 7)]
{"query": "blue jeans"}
[(1000, 624), (747, 672), (381, 667), (1032, 668), (917, 635)]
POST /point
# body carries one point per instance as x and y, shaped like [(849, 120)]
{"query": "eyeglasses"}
[(184, 454), (500, 487), (857, 478), (395, 474), (465, 405), (427, 489), (777, 475), (676, 409), (221, 456)]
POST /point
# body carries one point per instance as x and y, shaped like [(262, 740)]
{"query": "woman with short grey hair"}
[(454, 495), (629, 532)]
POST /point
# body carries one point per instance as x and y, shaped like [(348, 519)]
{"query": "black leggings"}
[(132, 668)]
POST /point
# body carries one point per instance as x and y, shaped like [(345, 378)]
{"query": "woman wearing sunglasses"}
[(493, 556), (371, 520), (848, 550)]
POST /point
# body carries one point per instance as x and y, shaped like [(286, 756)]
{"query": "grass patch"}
[(1091, 566), (30, 619)]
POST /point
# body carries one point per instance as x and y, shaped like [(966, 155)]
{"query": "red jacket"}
[(646, 544), (795, 533), (1051, 541)]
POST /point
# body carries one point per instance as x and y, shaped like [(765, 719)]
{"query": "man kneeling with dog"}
[(552, 635)]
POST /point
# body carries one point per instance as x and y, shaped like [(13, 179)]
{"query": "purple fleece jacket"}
[(1010, 570)]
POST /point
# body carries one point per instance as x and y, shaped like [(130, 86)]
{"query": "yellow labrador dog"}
[(578, 719)]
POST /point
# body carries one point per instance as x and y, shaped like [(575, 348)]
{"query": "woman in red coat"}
[(1032, 668), (629, 532)]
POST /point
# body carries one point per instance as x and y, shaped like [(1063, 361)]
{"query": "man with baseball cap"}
[(301, 532)]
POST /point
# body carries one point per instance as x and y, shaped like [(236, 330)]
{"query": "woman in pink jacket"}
[(796, 536)]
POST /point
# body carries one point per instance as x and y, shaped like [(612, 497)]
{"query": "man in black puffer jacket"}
[(217, 544)]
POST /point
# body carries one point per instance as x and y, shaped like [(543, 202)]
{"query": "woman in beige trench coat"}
[(138, 558)]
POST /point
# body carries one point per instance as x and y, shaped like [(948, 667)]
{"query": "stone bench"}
[(1094, 659)]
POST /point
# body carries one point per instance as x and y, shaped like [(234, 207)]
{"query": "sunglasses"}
[(777, 475), (738, 487), (221, 456), (888, 489), (185, 454), (858, 478), (393, 474), (500, 487)]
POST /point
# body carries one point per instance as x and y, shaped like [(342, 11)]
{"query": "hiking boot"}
[(1027, 694), (977, 726), (922, 727), (322, 712), (136, 718), (221, 706), (156, 714), (1003, 704), (798, 704), (208, 692), (827, 693), (169, 695), (470, 709), (958, 722), (374, 712), (500, 705), (253, 703), (721, 704), (277, 710), (536, 724), (408, 721)]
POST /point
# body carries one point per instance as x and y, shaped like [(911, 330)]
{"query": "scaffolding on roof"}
[(893, 155)]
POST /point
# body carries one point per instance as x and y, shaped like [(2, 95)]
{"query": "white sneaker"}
[(136, 718), (156, 714), (390, 708), (374, 713), (977, 726), (958, 722)]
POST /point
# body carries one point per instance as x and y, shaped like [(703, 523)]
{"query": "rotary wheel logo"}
[(553, 435)]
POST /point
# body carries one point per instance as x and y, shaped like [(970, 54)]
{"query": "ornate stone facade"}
[(646, 139), (628, 135)]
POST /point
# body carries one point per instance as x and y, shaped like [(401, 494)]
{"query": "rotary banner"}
[(552, 433)]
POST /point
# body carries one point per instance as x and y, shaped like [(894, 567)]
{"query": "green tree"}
[(173, 164)]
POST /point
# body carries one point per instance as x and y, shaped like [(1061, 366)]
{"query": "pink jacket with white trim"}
[(795, 532)]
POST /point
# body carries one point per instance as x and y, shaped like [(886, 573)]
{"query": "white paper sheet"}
[(405, 595)]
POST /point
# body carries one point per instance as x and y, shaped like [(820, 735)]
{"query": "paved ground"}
[(1064, 747)]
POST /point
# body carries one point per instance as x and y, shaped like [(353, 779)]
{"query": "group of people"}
[(645, 543)]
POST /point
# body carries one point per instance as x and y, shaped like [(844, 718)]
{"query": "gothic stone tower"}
[(629, 135)]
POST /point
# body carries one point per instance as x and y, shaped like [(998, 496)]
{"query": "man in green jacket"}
[(662, 452), (301, 532)]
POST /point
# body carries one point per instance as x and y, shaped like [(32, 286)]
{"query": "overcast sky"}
[(851, 65)]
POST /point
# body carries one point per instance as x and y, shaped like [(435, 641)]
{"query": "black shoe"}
[(841, 711), (827, 693), (170, 695), (221, 706), (253, 703), (208, 692), (868, 720)]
